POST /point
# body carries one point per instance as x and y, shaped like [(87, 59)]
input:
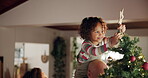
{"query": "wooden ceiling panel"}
[(6, 5)]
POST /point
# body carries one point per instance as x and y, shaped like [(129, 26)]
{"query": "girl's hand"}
[(122, 28), (115, 39)]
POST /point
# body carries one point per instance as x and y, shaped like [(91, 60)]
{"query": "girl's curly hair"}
[(88, 24)]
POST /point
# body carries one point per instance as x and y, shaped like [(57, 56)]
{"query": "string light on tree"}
[(140, 57)]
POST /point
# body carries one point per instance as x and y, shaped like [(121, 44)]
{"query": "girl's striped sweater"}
[(89, 51)]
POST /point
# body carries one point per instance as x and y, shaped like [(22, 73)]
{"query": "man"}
[(96, 68)]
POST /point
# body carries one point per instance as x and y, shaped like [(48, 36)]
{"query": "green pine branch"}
[(124, 68)]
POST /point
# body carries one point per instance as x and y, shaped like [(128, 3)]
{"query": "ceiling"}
[(6, 5)]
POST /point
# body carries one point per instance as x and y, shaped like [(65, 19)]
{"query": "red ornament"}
[(132, 58), (145, 66)]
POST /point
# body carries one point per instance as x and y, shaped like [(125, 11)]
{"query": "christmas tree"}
[(133, 64)]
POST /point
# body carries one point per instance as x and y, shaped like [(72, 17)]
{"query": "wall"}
[(24, 34), (33, 52), (66, 35), (7, 40), (47, 12), (38, 35)]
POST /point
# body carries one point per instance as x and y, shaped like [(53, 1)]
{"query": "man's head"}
[(96, 68)]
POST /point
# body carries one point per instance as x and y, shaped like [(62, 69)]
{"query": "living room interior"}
[(41, 22)]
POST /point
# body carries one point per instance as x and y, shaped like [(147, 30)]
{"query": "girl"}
[(93, 30)]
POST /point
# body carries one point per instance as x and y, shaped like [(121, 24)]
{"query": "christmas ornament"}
[(145, 66), (132, 58)]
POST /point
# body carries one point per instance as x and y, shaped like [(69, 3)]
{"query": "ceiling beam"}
[(129, 25)]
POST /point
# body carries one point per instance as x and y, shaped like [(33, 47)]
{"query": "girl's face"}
[(97, 34)]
